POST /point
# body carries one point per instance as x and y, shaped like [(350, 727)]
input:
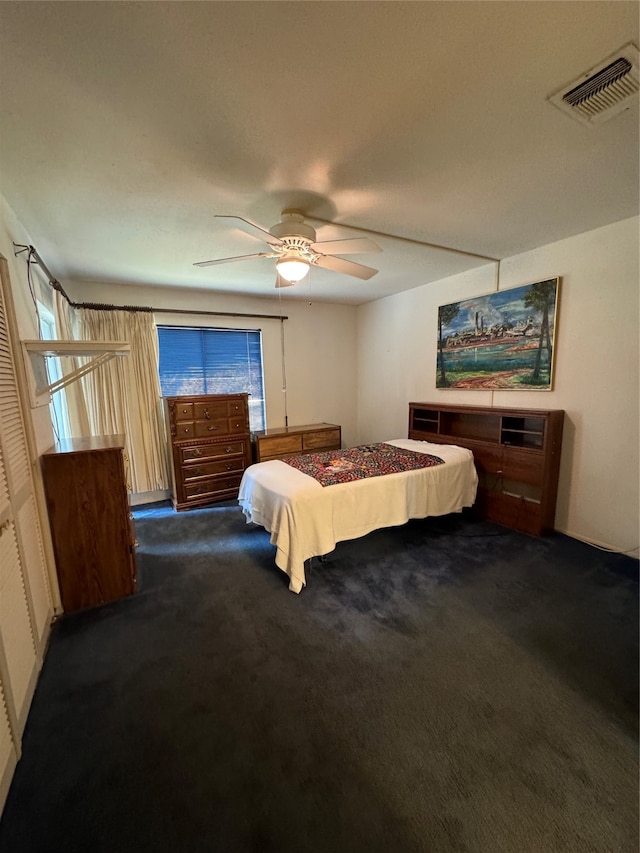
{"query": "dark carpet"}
[(443, 686)]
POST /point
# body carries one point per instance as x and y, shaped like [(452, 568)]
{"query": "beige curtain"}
[(123, 396)]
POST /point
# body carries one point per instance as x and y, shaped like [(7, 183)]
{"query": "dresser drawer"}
[(184, 412), (207, 429), (215, 487), (184, 429), (321, 438), (197, 470), (238, 425), (237, 407), (280, 444), (203, 452), (211, 410)]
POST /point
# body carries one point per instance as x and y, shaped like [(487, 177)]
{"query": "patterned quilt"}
[(357, 463)]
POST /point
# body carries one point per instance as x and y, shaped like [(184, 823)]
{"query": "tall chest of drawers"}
[(210, 447)]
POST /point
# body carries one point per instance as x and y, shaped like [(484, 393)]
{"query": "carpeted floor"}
[(444, 686)]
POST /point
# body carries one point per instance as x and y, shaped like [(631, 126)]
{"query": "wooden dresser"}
[(516, 453), (281, 442), (91, 524), (210, 447)]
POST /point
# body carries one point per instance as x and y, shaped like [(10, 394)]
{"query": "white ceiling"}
[(126, 126)]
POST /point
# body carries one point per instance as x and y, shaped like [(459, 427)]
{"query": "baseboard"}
[(149, 497), (602, 545)]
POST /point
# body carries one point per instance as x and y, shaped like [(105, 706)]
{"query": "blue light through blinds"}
[(213, 361)]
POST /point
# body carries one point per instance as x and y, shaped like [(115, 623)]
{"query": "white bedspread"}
[(306, 519)]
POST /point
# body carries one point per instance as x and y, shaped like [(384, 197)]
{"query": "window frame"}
[(58, 405), (257, 404)]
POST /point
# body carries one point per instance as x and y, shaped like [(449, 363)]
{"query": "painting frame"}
[(500, 341)]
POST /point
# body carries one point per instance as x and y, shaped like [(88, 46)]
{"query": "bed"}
[(306, 519)]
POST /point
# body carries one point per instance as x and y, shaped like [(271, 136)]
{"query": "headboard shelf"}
[(516, 453)]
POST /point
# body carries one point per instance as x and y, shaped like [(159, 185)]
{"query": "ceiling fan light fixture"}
[(292, 269), (293, 242)]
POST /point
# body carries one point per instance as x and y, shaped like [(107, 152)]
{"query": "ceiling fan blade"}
[(251, 228), (350, 246), (348, 267), (237, 258)]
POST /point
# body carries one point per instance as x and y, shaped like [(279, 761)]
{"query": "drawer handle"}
[(196, 452), (185, 411), (207, 415), (229, 467), (187, 429), (228, 450), (212, 428), (197, 472)]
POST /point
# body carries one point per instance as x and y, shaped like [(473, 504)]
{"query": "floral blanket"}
[(357, 463)]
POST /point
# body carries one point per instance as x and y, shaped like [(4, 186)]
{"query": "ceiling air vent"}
[(604, 91)]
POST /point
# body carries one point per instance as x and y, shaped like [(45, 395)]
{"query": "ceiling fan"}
[(293, 242)]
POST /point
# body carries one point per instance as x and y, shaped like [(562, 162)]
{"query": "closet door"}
[(8, 753), (8, 726), (25, 598)]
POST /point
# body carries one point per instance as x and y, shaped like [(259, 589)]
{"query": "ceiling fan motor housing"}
[(293, 225)]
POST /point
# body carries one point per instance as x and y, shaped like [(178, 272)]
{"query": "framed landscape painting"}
[(503, 341)]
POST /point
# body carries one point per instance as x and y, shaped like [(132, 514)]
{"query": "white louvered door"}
[(8, 750), (8, 753), (25, 598)]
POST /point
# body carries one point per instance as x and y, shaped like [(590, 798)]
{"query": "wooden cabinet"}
[(91, 525), (516, 453), (281, 442), (210, 447)]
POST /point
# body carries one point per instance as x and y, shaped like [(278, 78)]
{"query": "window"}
[(58, 405), (213, 361)]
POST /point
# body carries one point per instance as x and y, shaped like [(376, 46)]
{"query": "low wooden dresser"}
[(281, 442), (91, 525), (210, 447)]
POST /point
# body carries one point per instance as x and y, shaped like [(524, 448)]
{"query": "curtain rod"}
[(101, 306), (53, 281), (218, 313)]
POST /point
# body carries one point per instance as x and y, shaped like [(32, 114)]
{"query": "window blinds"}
[(213, 361)]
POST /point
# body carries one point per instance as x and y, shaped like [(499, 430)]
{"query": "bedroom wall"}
[(361, 366), (11, 230), (319, 346), (596, 370), (319, 340)]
